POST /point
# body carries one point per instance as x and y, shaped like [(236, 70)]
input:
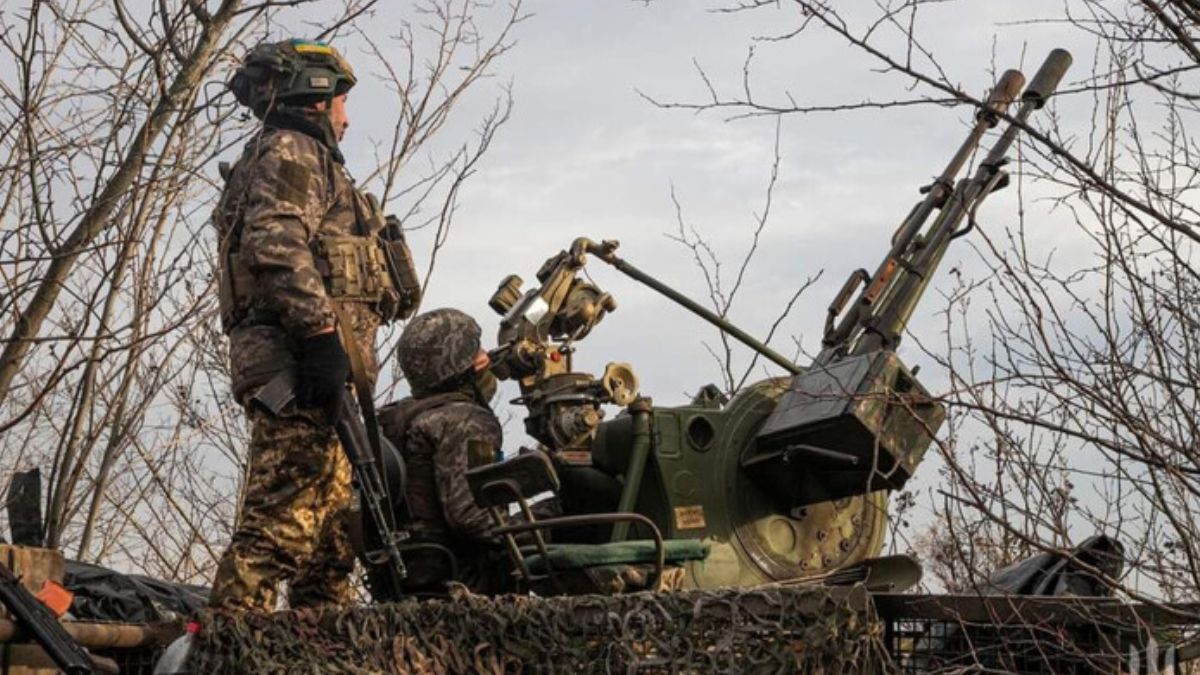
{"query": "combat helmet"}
[(292, 72), (437, 348)]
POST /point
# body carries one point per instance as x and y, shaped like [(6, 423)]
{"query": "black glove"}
[(324, 367)]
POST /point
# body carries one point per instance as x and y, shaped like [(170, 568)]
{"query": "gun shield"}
[(855, 426)]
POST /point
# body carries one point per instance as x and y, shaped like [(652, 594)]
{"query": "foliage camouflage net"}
[(765, 630)]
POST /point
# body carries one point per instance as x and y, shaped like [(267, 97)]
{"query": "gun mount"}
[(677, 466), (537, 334), (790, 478)]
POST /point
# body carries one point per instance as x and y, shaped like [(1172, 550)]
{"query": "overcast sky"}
[(585, 154)]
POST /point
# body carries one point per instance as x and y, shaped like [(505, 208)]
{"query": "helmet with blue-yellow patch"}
[(296, 73)]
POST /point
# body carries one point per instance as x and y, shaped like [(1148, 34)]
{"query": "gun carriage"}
[(789, 479)]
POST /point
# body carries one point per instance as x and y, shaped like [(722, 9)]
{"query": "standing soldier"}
[(308, 271), (443, 429)]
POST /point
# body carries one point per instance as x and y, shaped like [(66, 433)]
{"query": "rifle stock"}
[(36, 618)]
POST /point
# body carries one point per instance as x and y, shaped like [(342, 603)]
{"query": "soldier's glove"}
[(324, 367)]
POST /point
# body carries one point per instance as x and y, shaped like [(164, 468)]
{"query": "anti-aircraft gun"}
[(857, 419), (789, 479)]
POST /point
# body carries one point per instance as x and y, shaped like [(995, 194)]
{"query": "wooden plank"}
[(34, 566), (95, 635)]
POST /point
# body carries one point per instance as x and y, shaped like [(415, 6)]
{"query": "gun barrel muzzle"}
[(1007, 90), (1047, 78)]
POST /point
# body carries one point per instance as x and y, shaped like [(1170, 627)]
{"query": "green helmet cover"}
[(292, 72)]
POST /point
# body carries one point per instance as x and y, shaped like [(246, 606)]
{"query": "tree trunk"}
[(97, 218)]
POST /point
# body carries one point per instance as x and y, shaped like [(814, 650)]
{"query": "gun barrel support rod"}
[(903, 298), (640, 410), (882, 283), (700, 311)]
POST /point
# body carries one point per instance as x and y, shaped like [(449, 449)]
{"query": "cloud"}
[(585, 154)]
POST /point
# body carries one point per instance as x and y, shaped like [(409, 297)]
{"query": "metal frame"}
[(445, 552), (928, 633), (536, 527)]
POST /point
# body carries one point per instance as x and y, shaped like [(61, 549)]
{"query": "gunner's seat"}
[(573, 569)]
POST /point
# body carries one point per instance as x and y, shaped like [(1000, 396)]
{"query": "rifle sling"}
[(362, 384)]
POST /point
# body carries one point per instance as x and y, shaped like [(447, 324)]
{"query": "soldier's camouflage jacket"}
[(439, 443), (288, 191)]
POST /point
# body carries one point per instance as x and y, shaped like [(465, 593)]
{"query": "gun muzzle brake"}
[(1047, 78), (1007, 90)]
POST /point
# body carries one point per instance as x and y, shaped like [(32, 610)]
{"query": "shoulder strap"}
[(405, 417), (360, 218), (327, 162), (358, 374)]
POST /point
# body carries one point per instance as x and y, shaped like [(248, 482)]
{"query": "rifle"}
[(857, 420), (380, 546), (43, 626)]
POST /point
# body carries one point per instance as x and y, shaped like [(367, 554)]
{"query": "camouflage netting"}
[(793, 630)]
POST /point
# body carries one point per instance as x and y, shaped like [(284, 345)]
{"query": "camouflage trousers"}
[(294, 522)]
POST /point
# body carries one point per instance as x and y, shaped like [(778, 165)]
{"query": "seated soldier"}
[(442, 429)]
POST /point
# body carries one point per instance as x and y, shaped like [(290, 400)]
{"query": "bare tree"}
[(1071, 378), (113, 376), (723, 288), (427, 92)]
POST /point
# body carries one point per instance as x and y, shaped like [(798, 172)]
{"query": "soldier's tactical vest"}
[(373, 267), (422, 494)]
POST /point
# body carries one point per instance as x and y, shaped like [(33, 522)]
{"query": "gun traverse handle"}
[(856, 279), (1047, 78)]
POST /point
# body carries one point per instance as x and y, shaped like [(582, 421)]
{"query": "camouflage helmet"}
[(437, 348), (292, 72)]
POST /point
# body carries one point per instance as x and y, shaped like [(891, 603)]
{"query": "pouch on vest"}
[(354, 268), (401, 270), (235, 283)]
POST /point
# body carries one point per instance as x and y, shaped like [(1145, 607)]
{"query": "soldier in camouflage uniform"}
[(302, 260), (443, 429)]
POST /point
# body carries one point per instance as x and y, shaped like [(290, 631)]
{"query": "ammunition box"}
[(848, 428)]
